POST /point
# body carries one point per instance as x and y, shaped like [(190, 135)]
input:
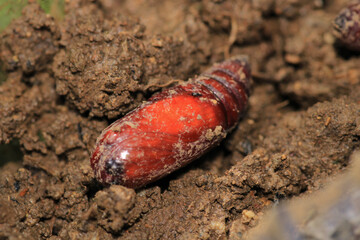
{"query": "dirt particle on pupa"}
[(211, 134)]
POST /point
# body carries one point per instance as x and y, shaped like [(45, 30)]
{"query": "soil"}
[(68, 80), (331, 213)]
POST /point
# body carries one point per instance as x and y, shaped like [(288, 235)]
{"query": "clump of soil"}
[(332, 213), (106, 64), (66, 81)]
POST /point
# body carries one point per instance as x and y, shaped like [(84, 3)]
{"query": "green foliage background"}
[(11, 9)]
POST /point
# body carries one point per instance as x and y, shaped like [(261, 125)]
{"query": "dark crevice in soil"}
[(11, 152)]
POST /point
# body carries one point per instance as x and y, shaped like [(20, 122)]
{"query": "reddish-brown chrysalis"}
[(173, 127)]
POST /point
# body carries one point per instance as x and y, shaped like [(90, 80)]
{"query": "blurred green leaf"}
[(45, 5), (11, 9), (53, 7)]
